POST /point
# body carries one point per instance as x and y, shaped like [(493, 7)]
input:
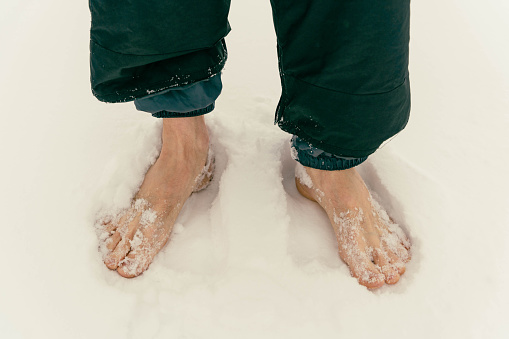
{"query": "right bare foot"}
[(133, 238)]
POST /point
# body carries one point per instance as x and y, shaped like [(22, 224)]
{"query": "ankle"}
[(185, 134), (344, 188)]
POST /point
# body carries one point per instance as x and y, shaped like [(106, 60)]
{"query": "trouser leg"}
[(143, 47), (344, 72)]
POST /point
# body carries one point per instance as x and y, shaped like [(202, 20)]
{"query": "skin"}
[(133, 239), (141, 232), (372, 246)]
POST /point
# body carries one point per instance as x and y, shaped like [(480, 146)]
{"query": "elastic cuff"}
[(195, 113), (310, 156), (329, 164)]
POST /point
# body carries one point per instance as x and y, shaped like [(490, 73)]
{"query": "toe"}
[(109, 227), (113, 241), (123, 246), (107, 224), (389, 271), (366, 273), (393, 245), (112, 260), (130, 267), (396, 261), (140, 258), (405, 242), (391, 274), (136, 262), (105, 221), (403, 253)]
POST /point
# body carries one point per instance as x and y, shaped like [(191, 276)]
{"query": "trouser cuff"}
[(310, 156), (185, 101)]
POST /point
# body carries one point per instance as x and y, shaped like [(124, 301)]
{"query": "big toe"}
[(113, 259), (142, 256), (134, 264), (113, 241), (130, 268)]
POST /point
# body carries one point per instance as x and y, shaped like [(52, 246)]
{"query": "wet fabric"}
[(343, 63), (186, 101)]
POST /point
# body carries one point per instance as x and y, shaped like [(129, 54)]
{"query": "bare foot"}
[(374, 247), (132, 239)]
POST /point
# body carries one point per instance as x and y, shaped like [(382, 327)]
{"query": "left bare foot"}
[(374, 247)]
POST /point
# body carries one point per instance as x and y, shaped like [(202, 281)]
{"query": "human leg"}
[(143, 50), (345, 90), (134, 237)]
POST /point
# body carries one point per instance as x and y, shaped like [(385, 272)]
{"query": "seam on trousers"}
[(148, 55), (332, 90)]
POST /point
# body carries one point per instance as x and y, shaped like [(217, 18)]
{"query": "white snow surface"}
[(250, 257)]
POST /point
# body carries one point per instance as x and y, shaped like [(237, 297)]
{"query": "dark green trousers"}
[(343, 63)]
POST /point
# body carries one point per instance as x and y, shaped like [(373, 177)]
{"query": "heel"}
[(206, 175), (301, 189)]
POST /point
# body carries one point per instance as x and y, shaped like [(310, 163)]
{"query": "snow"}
[(251, 258), (302, 175)]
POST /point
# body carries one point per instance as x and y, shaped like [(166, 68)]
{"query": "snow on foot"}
[(369, 242), (130, 240)]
